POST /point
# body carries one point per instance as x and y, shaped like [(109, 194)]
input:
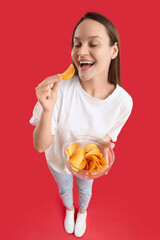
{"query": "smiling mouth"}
[(85, 65)]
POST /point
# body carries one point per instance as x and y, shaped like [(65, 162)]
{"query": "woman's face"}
[(91, 51)]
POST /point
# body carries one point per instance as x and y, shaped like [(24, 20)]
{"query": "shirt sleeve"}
[(115, 130), (37, 111)]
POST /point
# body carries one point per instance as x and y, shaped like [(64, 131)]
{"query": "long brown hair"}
[(114, 75)]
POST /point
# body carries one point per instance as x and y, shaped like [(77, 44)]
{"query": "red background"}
[(35, 43)]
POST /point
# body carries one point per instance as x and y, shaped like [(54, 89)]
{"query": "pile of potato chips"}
[(90, 158)]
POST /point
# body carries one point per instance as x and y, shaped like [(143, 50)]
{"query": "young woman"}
[(93, 102)]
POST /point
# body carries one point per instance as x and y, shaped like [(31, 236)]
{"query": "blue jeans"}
[(65, 184)]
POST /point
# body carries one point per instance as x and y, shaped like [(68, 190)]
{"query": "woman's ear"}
[(115, 51)]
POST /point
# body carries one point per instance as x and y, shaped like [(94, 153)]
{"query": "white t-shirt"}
[(78, 113)]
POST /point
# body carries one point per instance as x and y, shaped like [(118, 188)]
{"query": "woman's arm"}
[(47, 93)]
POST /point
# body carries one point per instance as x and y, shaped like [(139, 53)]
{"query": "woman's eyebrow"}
[(96, 36)]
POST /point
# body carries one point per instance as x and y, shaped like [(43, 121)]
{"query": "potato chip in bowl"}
[(87, 157)]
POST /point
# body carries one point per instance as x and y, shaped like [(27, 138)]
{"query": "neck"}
[(98, 88)]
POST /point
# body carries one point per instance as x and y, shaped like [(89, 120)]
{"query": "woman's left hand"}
[(111, 144)]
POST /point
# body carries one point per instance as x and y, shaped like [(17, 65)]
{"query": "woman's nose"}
[(83, 50)]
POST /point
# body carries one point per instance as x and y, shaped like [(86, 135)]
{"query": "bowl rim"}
[(75, 138)]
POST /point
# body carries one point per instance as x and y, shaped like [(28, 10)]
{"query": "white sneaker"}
[(80, 226), (69, 221)]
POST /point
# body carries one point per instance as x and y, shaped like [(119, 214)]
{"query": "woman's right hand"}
[(47, 92)]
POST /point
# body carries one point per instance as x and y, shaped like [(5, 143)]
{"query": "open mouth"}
[(86, 65)]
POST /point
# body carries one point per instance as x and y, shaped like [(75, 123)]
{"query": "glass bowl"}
[(82, 140)]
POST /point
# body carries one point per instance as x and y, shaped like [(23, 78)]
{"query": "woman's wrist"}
[(47, 113)]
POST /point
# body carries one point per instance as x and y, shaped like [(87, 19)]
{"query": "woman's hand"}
[(47, 92), (111, 144)]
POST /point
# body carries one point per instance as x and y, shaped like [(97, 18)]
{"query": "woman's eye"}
[(77, 45), (93, 45)]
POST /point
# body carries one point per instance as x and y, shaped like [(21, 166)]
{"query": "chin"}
[(84, 77)]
